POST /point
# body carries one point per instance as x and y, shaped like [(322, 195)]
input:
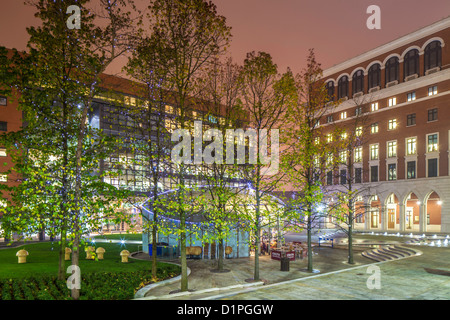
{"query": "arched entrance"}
[(433, 212), (392, 212), (374, 212), (412, 212)]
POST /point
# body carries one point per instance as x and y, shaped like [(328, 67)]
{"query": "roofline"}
[(404, 40)]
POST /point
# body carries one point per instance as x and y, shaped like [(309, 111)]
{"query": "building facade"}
[(402, 89)]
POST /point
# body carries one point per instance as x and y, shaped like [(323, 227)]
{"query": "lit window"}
[(358, 154), (374, 152), (358, 131), (392, 124), (344, 115), (316, 161), (329, 159), (169, 109), (432, 142), (374, 128), (411, 146), (432, 90), (392, 149), (329, 137), (3, 177), (343, 156), (411, 96), (316, 140), (374, 106), (2, 152), (392, 102)]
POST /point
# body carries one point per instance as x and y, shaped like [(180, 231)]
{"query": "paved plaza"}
[(424, 276)]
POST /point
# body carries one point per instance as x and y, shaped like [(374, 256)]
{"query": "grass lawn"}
[(107, 279), (43, 260)]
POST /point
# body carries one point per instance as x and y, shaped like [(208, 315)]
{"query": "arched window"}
[(330, 90), (411, 63), (374, 76), (343, 87), (358, 82), (433, 56), (391, 70)]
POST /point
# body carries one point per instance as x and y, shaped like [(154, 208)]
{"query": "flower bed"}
[(94, 286)]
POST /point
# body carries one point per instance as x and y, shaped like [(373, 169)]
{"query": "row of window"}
[(391, 174), (432, 59), (410, 96)]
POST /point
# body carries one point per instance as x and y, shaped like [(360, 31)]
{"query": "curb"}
[(189, 293)]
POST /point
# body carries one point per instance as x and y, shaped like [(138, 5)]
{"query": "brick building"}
[(402, 89)]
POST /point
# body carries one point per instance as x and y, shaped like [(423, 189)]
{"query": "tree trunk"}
[(75, 293), (310, 256), (350, 244), (221, 254), (62, 256)]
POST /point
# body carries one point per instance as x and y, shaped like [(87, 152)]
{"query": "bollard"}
[(89, 253), (22, 255), (100, 252), (125, 254), (67, 253)]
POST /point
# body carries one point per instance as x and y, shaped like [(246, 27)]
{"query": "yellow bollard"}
[(125, 254), (89, 253), (22, 255), (67, 253), (100, 252)]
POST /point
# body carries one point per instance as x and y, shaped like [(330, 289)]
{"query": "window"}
[(358, 154), (2, 152), (358, 111), (392, 124), (329, 178), (344, 135), (343, 176), (3, 126), (411, 119), (316, 140), (330, 90), (343, 156), (329, 159), (432, 91), (343, 87), (374, 76), (3, 177), (329, 137), (374, 128), (411, 170), (432, 57), (358, 131), (373, 173), (411, 96), (358, 81), (358, 175), (411, 146), (374, 106), (391, 70), (432, 143), (329, 118), (433, 114), (392, 149), (432, 168), (392, 102), (374, 152), (411, 63), (392, 172), (344, 115), (3, 101)]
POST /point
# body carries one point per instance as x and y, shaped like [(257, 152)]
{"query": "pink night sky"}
[(286, 29)]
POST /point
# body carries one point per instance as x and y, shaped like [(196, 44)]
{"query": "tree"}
[(186, 36), (266, 96), (56, 97), (347, 207), (220, 86), (309, 154)]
